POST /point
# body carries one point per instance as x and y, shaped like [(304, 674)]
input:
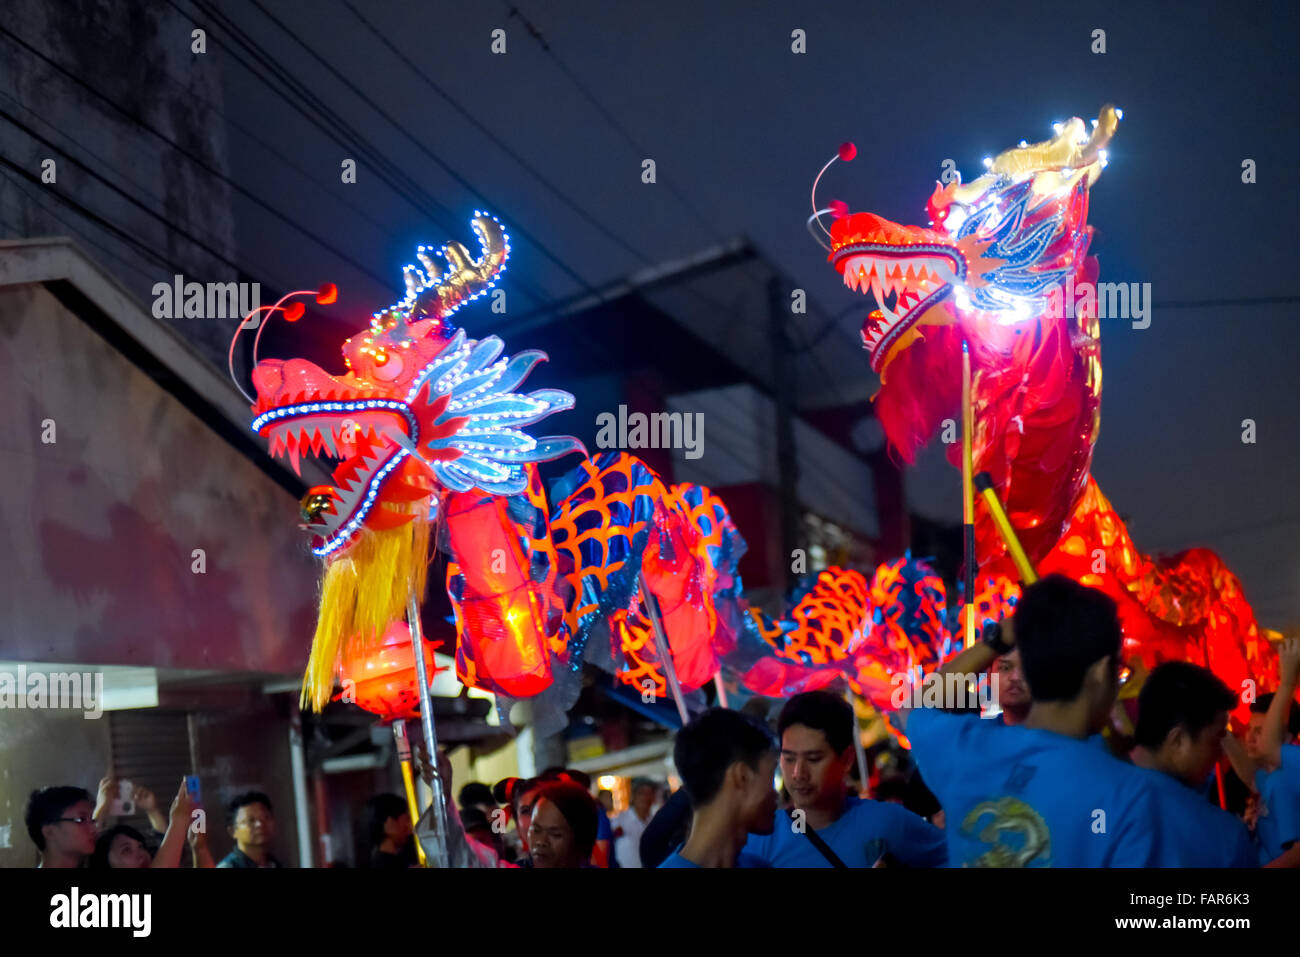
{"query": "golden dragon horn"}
[(1069, 149), (431, 293)]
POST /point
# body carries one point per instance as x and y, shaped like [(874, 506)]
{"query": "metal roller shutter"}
[(151, 749)]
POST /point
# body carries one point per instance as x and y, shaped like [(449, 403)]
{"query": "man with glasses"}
[(60, 822), (253, 828)]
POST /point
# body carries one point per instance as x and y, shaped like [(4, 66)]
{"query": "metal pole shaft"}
[(968, 492), (408, 782), (665, 652), (430, 736)]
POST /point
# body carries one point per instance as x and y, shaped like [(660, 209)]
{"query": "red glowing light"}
[(382, 680)]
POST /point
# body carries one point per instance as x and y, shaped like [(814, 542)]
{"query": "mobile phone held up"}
[(192, 788), (124, 804)]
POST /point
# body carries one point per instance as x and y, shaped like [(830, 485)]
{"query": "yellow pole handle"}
[(408, 781), (968, 492), (984, 483)]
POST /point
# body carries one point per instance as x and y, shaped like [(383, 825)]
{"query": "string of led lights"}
[(144, 248), (590, 218), (281, 82), (401, 128), (550, 306)]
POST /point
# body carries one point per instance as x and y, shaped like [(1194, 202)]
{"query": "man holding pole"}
[(1041, 793)]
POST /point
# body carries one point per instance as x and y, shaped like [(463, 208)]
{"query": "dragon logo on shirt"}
[(1011, 816)]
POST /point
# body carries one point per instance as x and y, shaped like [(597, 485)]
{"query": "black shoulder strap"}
[(823, 847)]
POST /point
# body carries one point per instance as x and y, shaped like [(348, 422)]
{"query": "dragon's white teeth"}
[(327, 440), (943, 272), (293, 458)]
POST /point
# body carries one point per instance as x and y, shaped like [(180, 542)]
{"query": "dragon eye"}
[(387, 365)]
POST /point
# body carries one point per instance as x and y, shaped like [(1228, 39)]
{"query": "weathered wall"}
[(100, 526)]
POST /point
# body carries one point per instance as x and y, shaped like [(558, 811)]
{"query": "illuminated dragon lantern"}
[(992, 271), (426, 422), (429, 434)]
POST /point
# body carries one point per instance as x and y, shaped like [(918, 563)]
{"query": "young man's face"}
[(74, 834), (1012, 690), (1253, 729), (1192, 756), (758, 799), (550, 838), (524, 815), (813, 773), (254, 825)]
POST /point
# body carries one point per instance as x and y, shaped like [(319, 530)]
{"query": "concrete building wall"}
[(94, 78), (102, 524)]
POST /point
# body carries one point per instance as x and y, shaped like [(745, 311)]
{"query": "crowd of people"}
[(1048, 781)]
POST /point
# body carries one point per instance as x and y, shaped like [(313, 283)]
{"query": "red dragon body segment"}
[(991, 271), (507, 595)]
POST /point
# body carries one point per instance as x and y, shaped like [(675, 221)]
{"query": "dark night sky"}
[(738, 126)]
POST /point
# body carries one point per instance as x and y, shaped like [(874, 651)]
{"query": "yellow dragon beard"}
[(361, 594)]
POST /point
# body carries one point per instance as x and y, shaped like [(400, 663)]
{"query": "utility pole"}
[(787, 461)]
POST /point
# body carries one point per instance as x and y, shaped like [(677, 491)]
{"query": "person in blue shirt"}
[(727, 764), (1182, 718), (1040, 794), (828, 827), (1271, 765)]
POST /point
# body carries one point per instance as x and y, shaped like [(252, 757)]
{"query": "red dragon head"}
[(421, 409), (989, 274), (995, 249)]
